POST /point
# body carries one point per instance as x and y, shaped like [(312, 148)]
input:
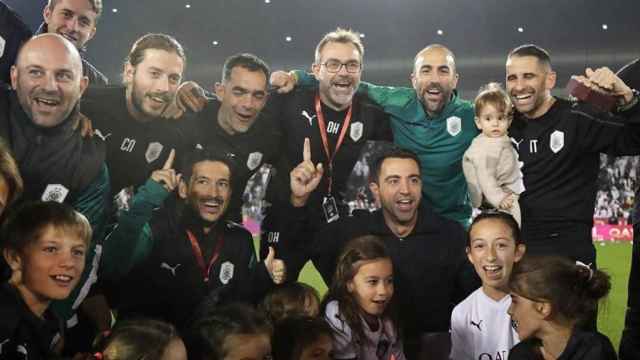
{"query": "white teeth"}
[(492, 268), (404, 201), (522, 97), (157, 99), (47, 102), (63, 278)]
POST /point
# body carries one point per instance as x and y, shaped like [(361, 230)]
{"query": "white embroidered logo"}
[(173, 269), (517, 143), (99, 134), (309, 117), (454, 125), (356, 130), (254, 160), (153, 152), (556, 141), (55, 192), (226, 272), (3, 42)]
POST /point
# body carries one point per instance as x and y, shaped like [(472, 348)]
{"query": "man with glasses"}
[(337, 121)]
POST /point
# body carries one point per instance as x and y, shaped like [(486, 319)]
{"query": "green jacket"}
[(92, 203), (439, 142)]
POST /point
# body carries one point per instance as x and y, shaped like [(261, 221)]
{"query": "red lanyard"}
[(198, 254), (325, 141)]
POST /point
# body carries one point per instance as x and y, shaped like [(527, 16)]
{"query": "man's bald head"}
[(434, 77), (50, 43), (48, 79), (437, 49)]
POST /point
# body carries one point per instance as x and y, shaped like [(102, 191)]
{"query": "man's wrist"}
[(299, 201)]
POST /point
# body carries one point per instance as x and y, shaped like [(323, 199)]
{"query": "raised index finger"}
[(169, 163), (306, 152)]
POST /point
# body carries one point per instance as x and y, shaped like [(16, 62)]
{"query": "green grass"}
[(615, 258)]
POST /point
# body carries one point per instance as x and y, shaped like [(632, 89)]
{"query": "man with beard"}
[(428, 119), (129, 118), (427, 249), (40, 124), (186, 254), (232, 122), (337, 121), (559, 143), (77, 21)]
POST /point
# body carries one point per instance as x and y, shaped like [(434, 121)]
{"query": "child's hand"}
[(507, 202)]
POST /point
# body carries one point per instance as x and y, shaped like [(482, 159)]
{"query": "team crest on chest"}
[(556, 141), (254, 160), (153, 151), (226, 272), (55, 192), (454, 125), (357, 128)]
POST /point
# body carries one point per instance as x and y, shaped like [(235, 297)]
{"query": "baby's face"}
[(492, 122)]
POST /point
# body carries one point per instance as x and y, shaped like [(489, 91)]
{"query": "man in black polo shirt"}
[(337, 121), (129, 118), (559, 143)]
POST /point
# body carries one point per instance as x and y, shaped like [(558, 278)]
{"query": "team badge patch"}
[(55, 192), (3, 42), (356, 130), (226, 272), (454, 125), (556, 141), (153, 152), (254, 160)]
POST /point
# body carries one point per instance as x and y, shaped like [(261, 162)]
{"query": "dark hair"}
[(290, 299), (154, 41), (209, 332), (392, 153), (493, 94), (10, 173), (357, 250), (197, 155), (292, 335), (247, 61), (501, 216), (572, 289), (135, 339), (27, 224), (96, 6), (532, 50)]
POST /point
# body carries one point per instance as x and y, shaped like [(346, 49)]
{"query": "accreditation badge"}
[(357, 128), (55, 192), (330, 209)]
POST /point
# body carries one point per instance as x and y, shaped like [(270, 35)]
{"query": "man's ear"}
[(219, 89), (550, 81), (315, 69), (14, 77), (375, 190), (544, 309), (129, 71), (46, 14), (182, 189)]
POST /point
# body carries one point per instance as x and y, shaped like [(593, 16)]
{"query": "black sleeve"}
[(14, 32), (607, 132), (466, 280), (630, 342)]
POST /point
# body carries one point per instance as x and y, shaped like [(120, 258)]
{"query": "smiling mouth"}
[(493, 271), (62, 280), (46, 102), (211, 206)]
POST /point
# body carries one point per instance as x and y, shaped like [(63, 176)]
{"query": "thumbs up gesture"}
[(275, 267), (305, 177), (167, 175)]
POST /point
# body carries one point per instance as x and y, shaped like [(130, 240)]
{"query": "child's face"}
[(492, 251), (320, 349), (50, 267), (527, 316), (491, 122), (247, 347), (372, 286)]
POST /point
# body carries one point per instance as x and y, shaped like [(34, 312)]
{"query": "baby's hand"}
[(507, 202)]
